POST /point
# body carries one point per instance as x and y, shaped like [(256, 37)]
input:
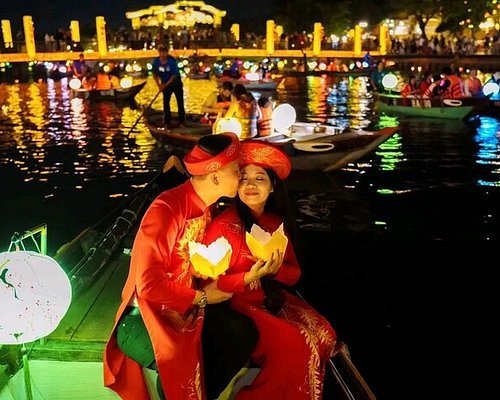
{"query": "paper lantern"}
[(212, 260), (262, 244), (35, 294), (229, 124), (75, 83), (491, 88), (252, 76), (284, 116), (389, 81), (126, 82)]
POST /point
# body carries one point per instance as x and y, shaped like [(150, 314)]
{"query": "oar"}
[(143, 112)]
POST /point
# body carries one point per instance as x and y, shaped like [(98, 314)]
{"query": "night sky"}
[(49, 15)]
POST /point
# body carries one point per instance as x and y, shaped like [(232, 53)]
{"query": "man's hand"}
[(214, 294)]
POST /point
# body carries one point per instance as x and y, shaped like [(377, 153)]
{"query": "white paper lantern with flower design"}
[(35, 294)]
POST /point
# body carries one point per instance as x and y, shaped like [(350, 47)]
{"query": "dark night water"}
[(396, 246)]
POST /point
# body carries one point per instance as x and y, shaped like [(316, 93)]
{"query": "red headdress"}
[(200, 162), (265, 155)]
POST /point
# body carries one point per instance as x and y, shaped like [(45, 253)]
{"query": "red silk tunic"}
[(294, 345), (160, 279)]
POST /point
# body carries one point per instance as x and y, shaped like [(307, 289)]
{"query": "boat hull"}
[(327, 149), (432, 108), (119, 94)]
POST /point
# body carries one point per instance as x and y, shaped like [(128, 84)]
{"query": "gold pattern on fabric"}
[(194, 230), (260, 155), (194, 385), (319, 340)]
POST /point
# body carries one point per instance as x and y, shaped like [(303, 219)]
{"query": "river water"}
[(396, 246)]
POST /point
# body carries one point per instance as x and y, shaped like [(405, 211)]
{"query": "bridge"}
[(103, 53)]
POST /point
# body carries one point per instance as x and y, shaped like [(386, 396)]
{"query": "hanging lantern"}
[(262, 244), (212, 260), (35, 295)]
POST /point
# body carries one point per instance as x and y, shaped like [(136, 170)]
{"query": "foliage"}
[(451, 12)]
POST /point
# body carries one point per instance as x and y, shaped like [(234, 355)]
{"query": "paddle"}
[(143, 112)]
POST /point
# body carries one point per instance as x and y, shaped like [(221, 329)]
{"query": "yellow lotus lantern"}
[(35, 293), (262, 244), (212, 260)]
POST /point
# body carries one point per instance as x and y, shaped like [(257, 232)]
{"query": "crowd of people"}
[(449, 83)]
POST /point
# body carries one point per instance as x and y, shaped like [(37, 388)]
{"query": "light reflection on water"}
[(61, 146)]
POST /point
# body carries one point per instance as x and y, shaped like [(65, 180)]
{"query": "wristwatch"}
[(203, 300)]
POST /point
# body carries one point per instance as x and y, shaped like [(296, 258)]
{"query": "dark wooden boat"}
[(433, 107), (261, 84), (352, 72), (68, 362), (310, 147), (118, 94)]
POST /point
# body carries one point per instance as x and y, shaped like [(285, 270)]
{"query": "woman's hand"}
[(262, 268)]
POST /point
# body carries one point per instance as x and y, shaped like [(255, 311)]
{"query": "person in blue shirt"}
[(167, 77), (79, 68)]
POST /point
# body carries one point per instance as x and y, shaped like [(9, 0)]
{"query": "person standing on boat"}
[(296, 342), (167, 77), (245, 109), (158, 325), (79, 67), (217, 103)]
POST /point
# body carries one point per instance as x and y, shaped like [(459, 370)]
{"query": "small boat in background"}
[(311, 146), (431, 107), (115, 94)]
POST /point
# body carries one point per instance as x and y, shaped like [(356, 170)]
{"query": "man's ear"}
[(214, 177)]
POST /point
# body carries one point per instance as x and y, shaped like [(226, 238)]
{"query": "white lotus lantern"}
[(212, 260), (262, 244), (35, 294), (284, 116), (75, 83)]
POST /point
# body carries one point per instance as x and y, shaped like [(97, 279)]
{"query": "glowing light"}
[(491, 89), (389, 81), (35, 293), (252, 76), (284, 116), (212, 260), (262, 244), (228, 124), (75, 83), (126, 82)]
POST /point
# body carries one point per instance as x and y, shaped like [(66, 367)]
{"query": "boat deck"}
[(84, 331)]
